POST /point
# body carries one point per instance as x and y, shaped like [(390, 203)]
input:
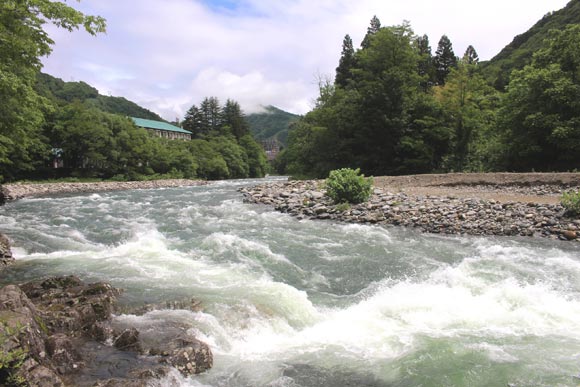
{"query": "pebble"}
[(441, 215), (18, 191)]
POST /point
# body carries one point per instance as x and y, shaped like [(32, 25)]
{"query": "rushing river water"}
[(309, 303)]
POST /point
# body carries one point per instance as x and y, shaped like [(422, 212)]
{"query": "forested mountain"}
[(394, 108), (520, 51), (66, 92), (272, 124)]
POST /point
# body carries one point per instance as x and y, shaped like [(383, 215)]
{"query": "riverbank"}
[(56, 332), (9, 192), (472, 204)]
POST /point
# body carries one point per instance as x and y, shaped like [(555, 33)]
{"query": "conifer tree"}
[(470, 57), (193, 121), (425, 66), (371, 31), (444, 59), (346, 63), (233, 119), (211, 117)]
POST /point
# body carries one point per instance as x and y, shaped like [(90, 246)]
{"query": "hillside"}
[(519, 52), (66, 92), (272, 124)]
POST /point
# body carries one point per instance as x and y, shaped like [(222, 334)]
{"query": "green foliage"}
[(257, 162), (444, 60), (519, 53), (539, 122), (382, 121), (11, 360), (348, 186), (397, 115), (343, 207), (271, 124), (346, 63), (374, 27), (22, 110), (61, 93), (571, 203), (306, 155), (469, 104)]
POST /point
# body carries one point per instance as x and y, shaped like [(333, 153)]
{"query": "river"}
[(290, 302)]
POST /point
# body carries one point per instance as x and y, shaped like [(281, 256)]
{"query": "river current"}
[(290, 302)]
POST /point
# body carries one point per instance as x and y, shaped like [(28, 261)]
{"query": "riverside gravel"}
[(428, 213)]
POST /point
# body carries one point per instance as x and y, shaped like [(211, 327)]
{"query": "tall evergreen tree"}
[(233, 119), (193, 121), (425, 67), (346, 63), (470, 57), (444, 59), (211, 118), (371, 31)]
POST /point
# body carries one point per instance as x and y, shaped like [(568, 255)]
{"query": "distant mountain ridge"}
[(55, 88), (519, 52), (272, 124)]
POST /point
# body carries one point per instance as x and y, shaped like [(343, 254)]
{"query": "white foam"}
[(222, 243), (494, 352)]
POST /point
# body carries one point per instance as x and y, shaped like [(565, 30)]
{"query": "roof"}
[(159, 125)]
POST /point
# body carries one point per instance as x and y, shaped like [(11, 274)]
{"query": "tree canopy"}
[(403, 111), (22, 109)]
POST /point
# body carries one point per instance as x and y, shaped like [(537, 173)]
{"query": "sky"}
[(167, 55)]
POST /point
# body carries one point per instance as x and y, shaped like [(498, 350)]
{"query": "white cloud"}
[(169, 54)]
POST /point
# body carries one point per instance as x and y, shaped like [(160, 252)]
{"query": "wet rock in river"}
[(6, 257), (128, 340)]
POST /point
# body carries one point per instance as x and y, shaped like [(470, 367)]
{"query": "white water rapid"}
[(310, 303)]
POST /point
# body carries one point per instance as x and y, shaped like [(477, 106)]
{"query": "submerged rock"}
[(128, 340), (6, 257), (190, 356)]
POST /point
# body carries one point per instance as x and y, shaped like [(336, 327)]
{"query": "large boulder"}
[(62, 351), (22, 342), (44, 323), (72, 308)]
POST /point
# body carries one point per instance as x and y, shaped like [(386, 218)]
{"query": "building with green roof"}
[(163, 129)]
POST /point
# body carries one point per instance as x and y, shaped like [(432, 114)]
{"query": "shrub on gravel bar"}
[(348, 186), (571, 203)]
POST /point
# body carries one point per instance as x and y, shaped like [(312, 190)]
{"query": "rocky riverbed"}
[(59, 331), (16, 191), (446, 212)]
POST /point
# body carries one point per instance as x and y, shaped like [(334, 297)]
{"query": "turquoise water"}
[(309, 303)]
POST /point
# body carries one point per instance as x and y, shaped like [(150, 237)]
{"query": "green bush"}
[(571, 203), (348, 186)]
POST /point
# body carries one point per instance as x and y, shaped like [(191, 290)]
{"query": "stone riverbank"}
[(59, 332), (446, 212), (17, 191)]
